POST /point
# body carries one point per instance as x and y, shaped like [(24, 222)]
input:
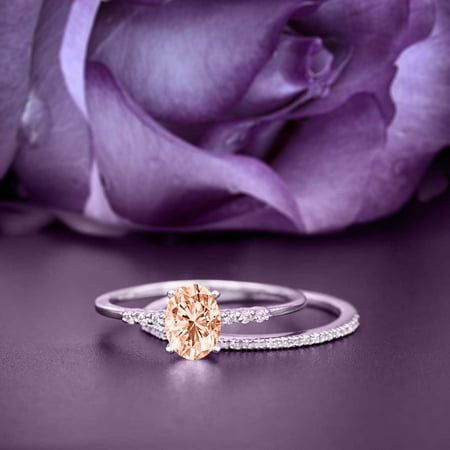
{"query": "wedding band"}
[(190, 319)]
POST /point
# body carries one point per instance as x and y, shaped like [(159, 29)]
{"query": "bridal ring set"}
[(187, 314)]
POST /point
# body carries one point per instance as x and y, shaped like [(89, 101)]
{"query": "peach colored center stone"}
[(193, 321)]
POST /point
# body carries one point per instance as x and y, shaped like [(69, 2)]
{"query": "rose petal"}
[(154, 179), (74, 47), (86, 225), (192, 60), (17, 23), (421, 127), (97, 205), (298, 66), (378, 33), (337, 184), (54, 158), (327, 162), (300, 70)]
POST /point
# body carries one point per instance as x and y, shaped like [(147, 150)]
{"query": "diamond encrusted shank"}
[(311, 337), (243, 316)]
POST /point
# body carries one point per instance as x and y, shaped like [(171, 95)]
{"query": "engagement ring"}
[(187, 314)]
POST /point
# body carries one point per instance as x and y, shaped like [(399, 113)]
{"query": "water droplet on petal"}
[(34, 123), (236, 139)]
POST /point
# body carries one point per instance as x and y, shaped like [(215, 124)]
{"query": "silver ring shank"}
[(286, 300)]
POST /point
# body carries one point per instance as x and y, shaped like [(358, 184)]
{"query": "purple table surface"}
[(72, 379)]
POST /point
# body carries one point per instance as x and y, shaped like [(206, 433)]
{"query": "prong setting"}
[(169, 349), (215, 294), (170, 293), (217, 348)]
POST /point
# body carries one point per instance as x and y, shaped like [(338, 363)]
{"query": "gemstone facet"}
[(192, 322)]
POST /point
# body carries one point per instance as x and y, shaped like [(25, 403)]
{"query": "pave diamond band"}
[(275, 343), (228, 316), (187, 314), (345, 323)]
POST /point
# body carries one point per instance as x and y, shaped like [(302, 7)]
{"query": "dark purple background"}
[(71, 379)]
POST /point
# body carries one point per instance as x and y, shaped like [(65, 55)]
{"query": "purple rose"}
[(287, 115)]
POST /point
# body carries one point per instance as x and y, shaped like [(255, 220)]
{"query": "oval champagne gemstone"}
[(193, 321)]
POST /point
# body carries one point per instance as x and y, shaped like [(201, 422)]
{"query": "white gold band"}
[(285, 300)]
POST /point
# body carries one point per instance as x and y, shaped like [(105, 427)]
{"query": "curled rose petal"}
[(355, 170), (15, 54), (299, 66), (86, 225), (377, 34), (299, 70), (420, 129), (155, 179), (74, 47), (327, 162), (192, 60), (97, 205)]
